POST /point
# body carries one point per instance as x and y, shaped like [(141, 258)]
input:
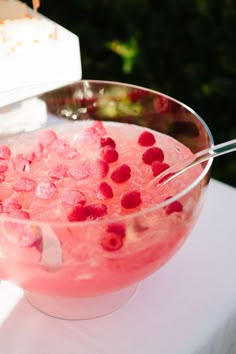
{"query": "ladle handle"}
[(199, 157)]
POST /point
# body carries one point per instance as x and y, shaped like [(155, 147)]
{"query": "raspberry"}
[(79, 171), (146, 139), (136, 94), (93, 134), (116, 228), (99, 168), (121, 174), (78, 213), (59, 145), (98, 126), (3, 166), (21, 234), (1, 207), (158, 167), (162, 104), (163, 179), (152, 154), (130, 200), (114, 238), (104, 191), (37, 150), (69, 153), (174, 207), (95, 211), (29, 157), (109, 154), (47, 137), (112, 242), (73, 197), (20, 214), (24, 184), (85, 101), (5, 152), (21, 163), (58, 172), (90, 136), (11, 204), (107, 141), (99, 129), (46, 189), (62, 148), (2, 177)]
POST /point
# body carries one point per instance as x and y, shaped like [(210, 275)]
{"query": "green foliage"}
[(184, 48)]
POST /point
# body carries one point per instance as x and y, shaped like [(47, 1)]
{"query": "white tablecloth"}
[(187, 307)]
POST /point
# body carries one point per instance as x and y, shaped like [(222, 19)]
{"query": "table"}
[(187, 307)]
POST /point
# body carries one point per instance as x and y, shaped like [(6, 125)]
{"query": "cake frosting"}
[(19, 27)]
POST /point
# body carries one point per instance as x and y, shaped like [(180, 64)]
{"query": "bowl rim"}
[(131, 215)]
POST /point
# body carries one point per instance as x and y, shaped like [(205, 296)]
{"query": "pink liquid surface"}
[(101, 253)]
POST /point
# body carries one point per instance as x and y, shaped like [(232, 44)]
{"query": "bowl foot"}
[(80, 308)]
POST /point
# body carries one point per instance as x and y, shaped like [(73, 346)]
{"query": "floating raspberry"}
[(107, 141), (20, 233), (116, 228), (21, 163), (1, 207), (59, 145), (68, 153), (99, 169), (47, 137), (174, 207), (62, 148), (104, 191), (121, 174), (108, 154), (94, 133), (130, 200), (20, 214), (158, 167), (3, 166), (95, 211), (65, 151), (24, 184), (112, 242), (146, 139), (91, 136), (30, 236), (73, 197), (79, 171), (37, 150), (163, 179), (46, 189), (11, 204), (58, 172), (29, 157), (98, 125), (152, 154), (2, 177), (5, 152), (78, 213)]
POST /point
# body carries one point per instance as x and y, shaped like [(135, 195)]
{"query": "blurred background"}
[(183, 48)]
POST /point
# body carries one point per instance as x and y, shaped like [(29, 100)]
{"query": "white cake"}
[(23, 116), (36, 54)]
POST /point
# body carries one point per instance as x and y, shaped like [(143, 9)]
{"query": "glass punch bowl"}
[(89, 281)]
